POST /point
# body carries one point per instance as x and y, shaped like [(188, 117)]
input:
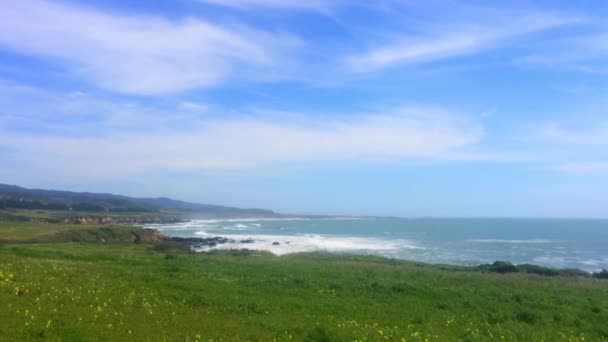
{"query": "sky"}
[(389, 107)]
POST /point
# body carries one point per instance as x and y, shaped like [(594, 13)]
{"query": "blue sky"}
[(408, 108)]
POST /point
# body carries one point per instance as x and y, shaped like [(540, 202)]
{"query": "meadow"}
[(71, 289)]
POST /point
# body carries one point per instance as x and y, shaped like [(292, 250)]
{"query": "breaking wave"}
[(285, 244)]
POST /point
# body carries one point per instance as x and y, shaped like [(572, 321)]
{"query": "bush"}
[(507, 267), (573, 272), (502, 267), (535, 269), (603, 274)]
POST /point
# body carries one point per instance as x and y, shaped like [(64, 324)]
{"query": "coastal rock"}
[(199, 243)]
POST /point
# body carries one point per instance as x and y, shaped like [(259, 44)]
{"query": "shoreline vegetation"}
[(88, 282), (97, 276), (24, 233)]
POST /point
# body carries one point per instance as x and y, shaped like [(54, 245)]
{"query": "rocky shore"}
[(202, 243)]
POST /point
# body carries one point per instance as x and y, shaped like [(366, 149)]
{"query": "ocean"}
[(559, 243)]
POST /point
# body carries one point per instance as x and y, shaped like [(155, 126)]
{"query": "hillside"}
[(84, 283), (15, 197)]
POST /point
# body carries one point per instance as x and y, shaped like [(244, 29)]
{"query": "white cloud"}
[(248, 142), (585, 53), (583, 167), (137, 54), (458, 39), (192, 106), (573, 133), (313, 5)]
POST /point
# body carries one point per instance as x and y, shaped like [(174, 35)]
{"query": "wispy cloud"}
[(573, 133), (137, 54), (583, 167), (311, 5), (250, 141), (572, 145), (586, 53), (30, 110), (438, 42)]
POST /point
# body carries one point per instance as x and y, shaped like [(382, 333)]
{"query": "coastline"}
[(206, 245), (244, 233), (108, 282), (466, 242), (53, 233)]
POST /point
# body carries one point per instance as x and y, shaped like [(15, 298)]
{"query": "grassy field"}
[(31, 232), (92, 291), (59, 216)]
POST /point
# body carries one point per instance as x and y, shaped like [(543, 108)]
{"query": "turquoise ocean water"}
[(558, 243)]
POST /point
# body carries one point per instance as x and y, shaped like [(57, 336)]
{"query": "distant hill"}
[(15, 197)]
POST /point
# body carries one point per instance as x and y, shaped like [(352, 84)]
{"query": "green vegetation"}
[(603, 274), (31, 232), (507, 267), (84, 217), (69, 203), (85, 291)]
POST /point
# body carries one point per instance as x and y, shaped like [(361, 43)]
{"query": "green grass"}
[(24, 232), (125, 291), (57, 216)]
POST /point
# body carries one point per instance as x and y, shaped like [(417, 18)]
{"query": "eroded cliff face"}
[(119, 219), (78, 219)]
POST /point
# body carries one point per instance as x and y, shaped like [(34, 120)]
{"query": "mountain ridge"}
[(17, 197)]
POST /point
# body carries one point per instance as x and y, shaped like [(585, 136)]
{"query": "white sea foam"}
[(262, 219), (237, 223), (194, 224), (285, 244), (403, 239), (239, 227)]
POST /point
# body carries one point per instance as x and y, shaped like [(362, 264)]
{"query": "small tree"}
[(503, 267)]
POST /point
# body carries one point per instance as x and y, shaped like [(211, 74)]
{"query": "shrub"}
[(573, 272), (535, 269), (603, 274), (502, 267)]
